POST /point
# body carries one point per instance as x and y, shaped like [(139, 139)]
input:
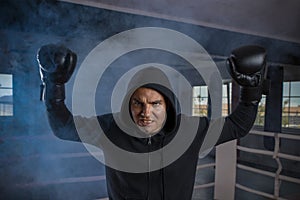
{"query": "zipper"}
[(149, 140), (149, 167)]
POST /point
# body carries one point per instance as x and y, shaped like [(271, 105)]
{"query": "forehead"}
[(147, 93)]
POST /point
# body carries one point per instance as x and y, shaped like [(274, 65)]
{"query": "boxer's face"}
[(148, 109)]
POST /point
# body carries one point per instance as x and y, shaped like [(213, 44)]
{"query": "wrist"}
[(54, 92), (251, 95)]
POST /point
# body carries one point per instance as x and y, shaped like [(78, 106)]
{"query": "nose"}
[(146, 110)]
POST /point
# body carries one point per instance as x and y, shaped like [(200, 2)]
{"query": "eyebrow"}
[(153, 102), (135, 99), (157, 101)]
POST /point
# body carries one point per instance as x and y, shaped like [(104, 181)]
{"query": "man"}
[(149, 121), (148, 109)]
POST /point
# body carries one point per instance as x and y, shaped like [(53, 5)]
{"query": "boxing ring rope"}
[(205, 185), (276, 155)]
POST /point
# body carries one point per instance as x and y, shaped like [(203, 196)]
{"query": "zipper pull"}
[(149, 140)]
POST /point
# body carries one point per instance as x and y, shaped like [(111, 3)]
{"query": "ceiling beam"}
[(233, 26)]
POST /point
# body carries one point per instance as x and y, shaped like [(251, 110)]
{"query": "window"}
[(291, 105), (200, 100), (260, 117), (6, 95), (226, 99)]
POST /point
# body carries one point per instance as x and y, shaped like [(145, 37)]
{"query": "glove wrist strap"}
[(53, 93), (251, 95)]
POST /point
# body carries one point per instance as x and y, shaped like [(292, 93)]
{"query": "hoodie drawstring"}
[(149, 167), (162, 169)]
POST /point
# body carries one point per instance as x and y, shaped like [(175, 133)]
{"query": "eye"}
[(156, 104), (136, 103)]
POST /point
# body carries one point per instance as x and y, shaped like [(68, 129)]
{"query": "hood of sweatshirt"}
[(152, 78)]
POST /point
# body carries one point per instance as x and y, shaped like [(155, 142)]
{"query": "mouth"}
[(145, 122)]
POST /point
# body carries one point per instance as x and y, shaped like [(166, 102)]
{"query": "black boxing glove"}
[(56, 64), (247, 66)]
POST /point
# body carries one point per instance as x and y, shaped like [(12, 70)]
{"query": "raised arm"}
[(57, 64), (247, 66)]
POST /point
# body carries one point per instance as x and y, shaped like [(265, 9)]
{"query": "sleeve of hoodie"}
[(62, 123), (238, 123)]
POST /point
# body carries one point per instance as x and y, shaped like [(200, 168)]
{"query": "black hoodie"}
[(156, 169)]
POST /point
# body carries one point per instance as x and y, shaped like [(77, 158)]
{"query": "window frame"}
[(287, 97), (12, 94), (226, 95)]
